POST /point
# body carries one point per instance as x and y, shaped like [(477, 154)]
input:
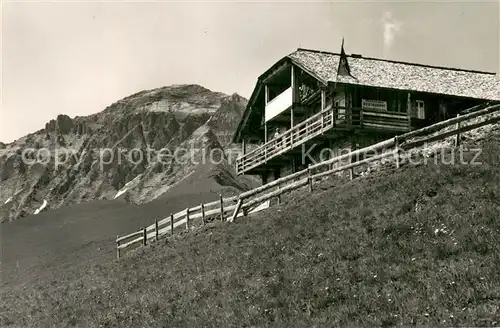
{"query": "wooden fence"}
[(232, 207), (187, 218)]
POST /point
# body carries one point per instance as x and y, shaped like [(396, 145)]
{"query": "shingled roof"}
[(390, 74), (400, 75)]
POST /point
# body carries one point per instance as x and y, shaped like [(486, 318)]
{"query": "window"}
[(420, 109)]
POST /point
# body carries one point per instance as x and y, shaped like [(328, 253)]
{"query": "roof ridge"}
[(401, 62), (428, 65), (318, 51)]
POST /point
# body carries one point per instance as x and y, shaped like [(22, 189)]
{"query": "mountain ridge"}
[(98, 156)]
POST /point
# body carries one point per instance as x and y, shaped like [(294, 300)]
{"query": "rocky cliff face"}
[(136, 149)]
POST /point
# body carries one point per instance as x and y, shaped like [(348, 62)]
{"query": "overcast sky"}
[(77, 58)]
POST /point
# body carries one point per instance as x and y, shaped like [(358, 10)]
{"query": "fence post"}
[(203, 213), (396, 145), (457, 139), (187, 219), (171, 224), (351, 170), (144, 236), (236, 210), (221, 207), (279, 196), (156, 229), (117, 247), (309, 178)]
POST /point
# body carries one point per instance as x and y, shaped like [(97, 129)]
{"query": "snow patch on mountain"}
[(121, 192), (41, 208)]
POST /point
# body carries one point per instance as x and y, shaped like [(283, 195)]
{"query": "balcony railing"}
[(340, 118)]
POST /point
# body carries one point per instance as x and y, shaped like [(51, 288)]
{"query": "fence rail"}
[(188, 218), (230, 208)]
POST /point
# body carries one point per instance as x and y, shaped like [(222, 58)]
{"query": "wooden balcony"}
[(330, 119)]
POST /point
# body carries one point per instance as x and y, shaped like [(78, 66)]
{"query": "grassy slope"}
[(40, 245), (358, 254)]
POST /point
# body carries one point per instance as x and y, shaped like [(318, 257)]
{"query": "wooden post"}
[(347, 110), (348, 113), (322, 122), (243, 147), (203, 214), (171, 224), (333, 113), (293, 85), (408, 109), (187, 219), (457, 139), (156, 229), (221, 208), (279, 196), (351, 170), (396, 145), (309, 178), (323, 99), (265, 142), (323, 106), (265, 132), (117, 247), (236, 210), (330, 146), (266, 91), (144, 237)]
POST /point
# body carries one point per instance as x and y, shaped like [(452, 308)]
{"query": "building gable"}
[(252, 118), (344, 69)]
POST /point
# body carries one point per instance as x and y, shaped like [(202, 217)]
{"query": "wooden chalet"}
[(336, 100)]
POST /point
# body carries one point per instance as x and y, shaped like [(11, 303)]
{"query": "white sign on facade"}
[(374, 104)]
